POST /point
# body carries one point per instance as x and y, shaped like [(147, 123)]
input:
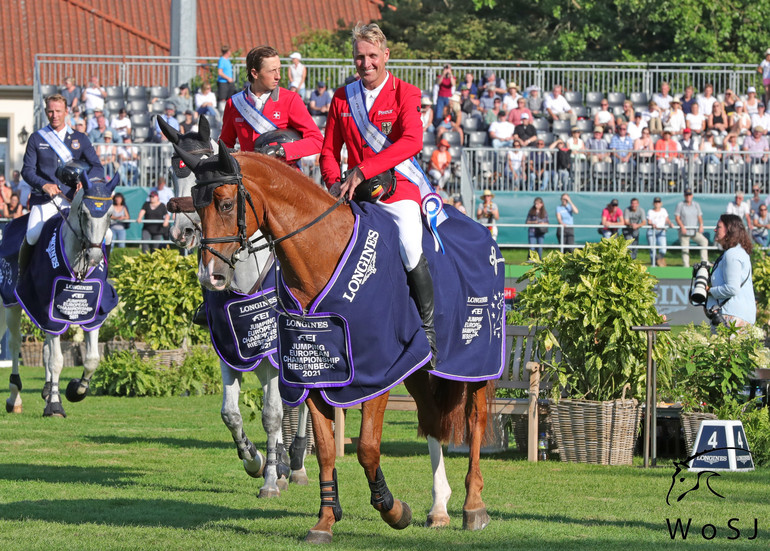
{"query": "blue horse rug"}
[(362, 335), (243, 327), (55, 299), (13, 235)]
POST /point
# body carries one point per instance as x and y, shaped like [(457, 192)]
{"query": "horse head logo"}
[(686, 484)]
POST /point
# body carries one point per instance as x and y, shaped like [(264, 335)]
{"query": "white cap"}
[(767, 52), (295, 55), (525, 115), (739, 104), (751, 89)]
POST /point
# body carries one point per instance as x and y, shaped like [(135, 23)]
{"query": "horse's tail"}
[(452, 400)]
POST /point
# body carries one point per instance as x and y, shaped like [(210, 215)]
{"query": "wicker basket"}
[(289, 428), (71, 354), (691, 424), (602, 433), (32, 354), (165, 358)]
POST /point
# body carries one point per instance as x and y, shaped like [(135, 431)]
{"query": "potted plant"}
[(592, 297), (158, 296), (709, 371)]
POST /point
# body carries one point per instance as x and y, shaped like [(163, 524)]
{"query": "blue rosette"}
[(432, 205)]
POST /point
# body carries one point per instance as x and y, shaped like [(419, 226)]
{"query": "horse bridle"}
[(247, 245)]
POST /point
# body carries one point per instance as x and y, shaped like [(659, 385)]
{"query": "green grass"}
[(162, 473)]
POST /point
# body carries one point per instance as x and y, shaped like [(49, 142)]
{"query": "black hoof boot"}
[(46, 392), (297, 452), (15, 380), (283, 467), (72, 393), (54, 409)]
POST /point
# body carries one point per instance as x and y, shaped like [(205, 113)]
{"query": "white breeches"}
[(408, 217), (39, 214)]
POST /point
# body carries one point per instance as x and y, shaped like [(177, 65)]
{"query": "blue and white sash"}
[(251, 114), (409, 168), (59, 147)]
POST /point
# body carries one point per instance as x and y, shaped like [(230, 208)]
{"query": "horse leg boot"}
[(298, 449), (77, 389), (330, 511), (10, 318), (277, 470), (253, 461), (53, 360), (421, 288)]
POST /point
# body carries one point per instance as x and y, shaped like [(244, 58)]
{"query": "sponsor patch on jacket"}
[(388, 112), (277, 115), (238, 119)]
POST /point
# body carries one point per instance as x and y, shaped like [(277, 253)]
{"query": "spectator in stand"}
[(756, 200), (687, 143), (118, 218), (762, 118), (469, 83), (709, 153), (79, 125), (182, 100), (636, 126), (320, 99), (622, 145), (557, 107), (488, 214), (516, 164), (164, 192), (108, 154), (525, 132), (169, 117), (663, 98), (688, 99), (501, 131), (514, 115), (446, 82), (155, 218), (535, 102), (537, 219), (577, 149), (653, 118), (689, 218), (93, 96), (14, 208), (96, 135), (764, 70), (634, 219), (757, 146), (5, 194), (718, 123), (206, 101), (707, 100), (457, 203), (740, 208), (71, 94), (604, 117), (491, 81), (565, 212), (628, 112), (539, 167), (128, 159), (22, 188), (752, 101), (563, 164), (426, 115), (597, 147), (695, 121), (659, 222), (732, 149), (612, 219), (490, 115), (225, 76), (468, 104), (741, 120), (510, 100), (676, 118), (490, 101), (297, 75), (188, 124), (452, 120), (729, 103), (440, 167), (761, 225), (121, 123), (644, 147), (667, 149)]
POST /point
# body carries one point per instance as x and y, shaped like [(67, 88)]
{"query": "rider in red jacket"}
[(264, 106)]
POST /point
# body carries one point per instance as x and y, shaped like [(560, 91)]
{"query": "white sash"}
[(250, 113), (59, 147)]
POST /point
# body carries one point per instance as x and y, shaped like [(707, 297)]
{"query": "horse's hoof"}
[(282, 483), (11, 408), (299, 478), (256, 467), (318, 536), (268, 492), (46, 392), (437, 521), (406, 517), (54, 409), (476, 519), (72, 393)]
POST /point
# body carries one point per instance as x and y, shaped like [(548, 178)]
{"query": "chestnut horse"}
[(268, 195)]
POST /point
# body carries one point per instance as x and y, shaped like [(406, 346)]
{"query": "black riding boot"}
[(25, 253), (421, 288)]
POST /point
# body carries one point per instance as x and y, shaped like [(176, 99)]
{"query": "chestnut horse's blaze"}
[(258, 192)]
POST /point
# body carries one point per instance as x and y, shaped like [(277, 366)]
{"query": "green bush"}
[(756, 422), (760, 266), (126, 374), (592, 297), (159, 293)]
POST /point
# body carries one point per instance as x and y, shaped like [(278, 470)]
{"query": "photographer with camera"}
[(730, 297), (446, 83)]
